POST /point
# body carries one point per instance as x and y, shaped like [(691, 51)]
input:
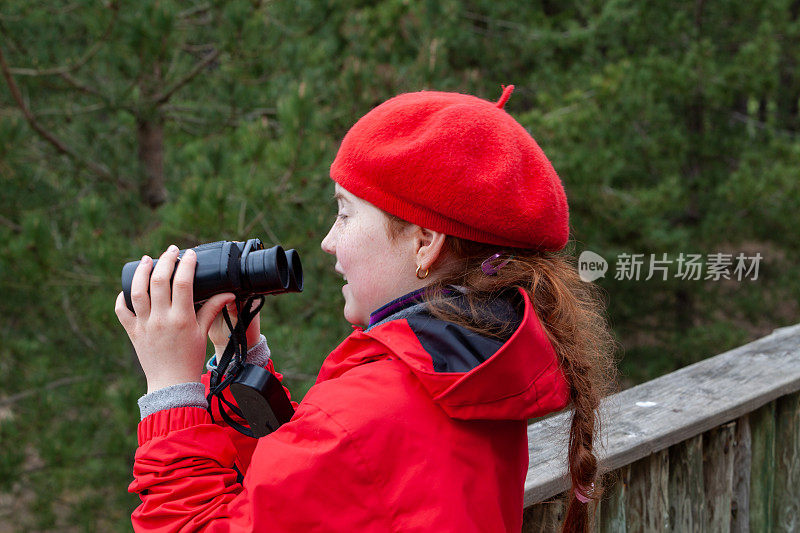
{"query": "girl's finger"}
[(124, 314), (139, 288), (223, 324), (232, 314), (160, 296), (210, 309), (182, 289)]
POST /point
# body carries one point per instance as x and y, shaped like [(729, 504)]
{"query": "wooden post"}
[(647, 498), (740, 499), (786, 510), (612, 509), (598, 508), (718, 452), (762, 471), (545, 517), (686, 495)]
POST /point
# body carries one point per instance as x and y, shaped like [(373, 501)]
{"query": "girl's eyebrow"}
[(339, 197)]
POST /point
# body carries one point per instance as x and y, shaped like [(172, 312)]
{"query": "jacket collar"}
[(521, 379), (387, 312)]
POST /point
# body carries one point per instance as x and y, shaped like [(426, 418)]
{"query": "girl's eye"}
[(341, 216)]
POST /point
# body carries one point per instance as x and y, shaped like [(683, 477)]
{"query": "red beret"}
[(457, 164)]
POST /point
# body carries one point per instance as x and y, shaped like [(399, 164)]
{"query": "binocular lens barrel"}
[(230, 266), (295, 271), (266, 271)]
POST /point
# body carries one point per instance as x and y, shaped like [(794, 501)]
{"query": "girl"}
[(467, 324)]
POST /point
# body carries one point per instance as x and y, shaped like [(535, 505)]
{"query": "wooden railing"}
[(714, 446)]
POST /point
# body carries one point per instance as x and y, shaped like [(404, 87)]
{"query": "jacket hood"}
[(469, 376)]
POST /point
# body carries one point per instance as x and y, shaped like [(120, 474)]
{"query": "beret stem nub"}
[(507, 90)]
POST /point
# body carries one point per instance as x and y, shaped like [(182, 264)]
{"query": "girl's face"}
[(376, 269)]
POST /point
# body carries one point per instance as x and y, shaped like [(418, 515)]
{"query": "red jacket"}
[(397, 434)]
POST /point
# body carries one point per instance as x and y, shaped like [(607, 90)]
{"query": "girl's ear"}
[(429, 246)]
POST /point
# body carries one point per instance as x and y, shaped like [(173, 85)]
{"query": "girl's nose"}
[(328, 243)]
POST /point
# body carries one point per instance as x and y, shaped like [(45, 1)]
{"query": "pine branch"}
[(72, 111), (49, 386), (189, 76), (90, 53), (77, 84), (16, 228), (192, 11), (66, 304), (59, 145), (197, 48)]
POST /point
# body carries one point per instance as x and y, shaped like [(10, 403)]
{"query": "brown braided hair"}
[(572, 312)]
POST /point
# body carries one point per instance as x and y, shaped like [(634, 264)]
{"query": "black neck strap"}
[(232, 360)]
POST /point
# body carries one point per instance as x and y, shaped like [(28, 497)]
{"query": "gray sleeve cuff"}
[(257, 355), (181, 395)]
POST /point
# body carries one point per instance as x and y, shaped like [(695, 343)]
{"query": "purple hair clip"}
[(489, 268)]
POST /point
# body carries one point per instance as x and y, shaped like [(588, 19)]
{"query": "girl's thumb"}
[(210, 309)]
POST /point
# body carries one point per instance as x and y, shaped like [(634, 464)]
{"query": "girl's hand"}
[(219, 332), (169, 339)]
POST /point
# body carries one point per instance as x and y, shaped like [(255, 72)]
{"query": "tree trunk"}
[(684, 310), (789, 87), (150, 134)]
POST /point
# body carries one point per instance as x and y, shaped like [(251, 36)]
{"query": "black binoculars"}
[(243, 268)]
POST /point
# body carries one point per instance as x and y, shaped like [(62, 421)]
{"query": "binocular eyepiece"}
[(243, 268)]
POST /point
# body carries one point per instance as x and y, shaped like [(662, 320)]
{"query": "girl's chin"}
[(354, 321), (353, 317)]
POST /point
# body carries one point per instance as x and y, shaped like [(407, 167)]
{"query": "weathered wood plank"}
[(786, 511), (718, 452), (762, 470), (598, 506), (544, 517), (647, 498), (742, 460), (672, 408), (612, 517), (686, 495)]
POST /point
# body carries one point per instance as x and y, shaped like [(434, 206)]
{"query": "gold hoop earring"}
[(424, 275)]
